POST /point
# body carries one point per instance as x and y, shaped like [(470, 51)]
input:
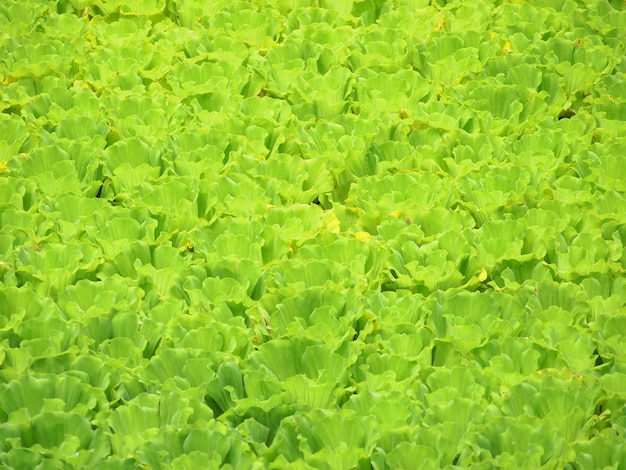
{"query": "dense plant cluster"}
[(302, 234)]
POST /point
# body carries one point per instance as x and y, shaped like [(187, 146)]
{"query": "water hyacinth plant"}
[(310, 234)]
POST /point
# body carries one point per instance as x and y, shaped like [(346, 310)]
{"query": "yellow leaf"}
[(363, 236), (331, 223), (482, 277)]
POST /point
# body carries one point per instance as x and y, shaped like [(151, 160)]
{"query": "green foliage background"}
[(312, 234)]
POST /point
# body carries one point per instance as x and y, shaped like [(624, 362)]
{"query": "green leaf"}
[(122, 349), (134, 423), (405, 454), (391, 409), (227, 387), (310, 393), (600, 452), (55, 266), (169, 363), (81, 128), (14, 134), (578, 77), (526, 75), (52, 429), (133, 151)]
